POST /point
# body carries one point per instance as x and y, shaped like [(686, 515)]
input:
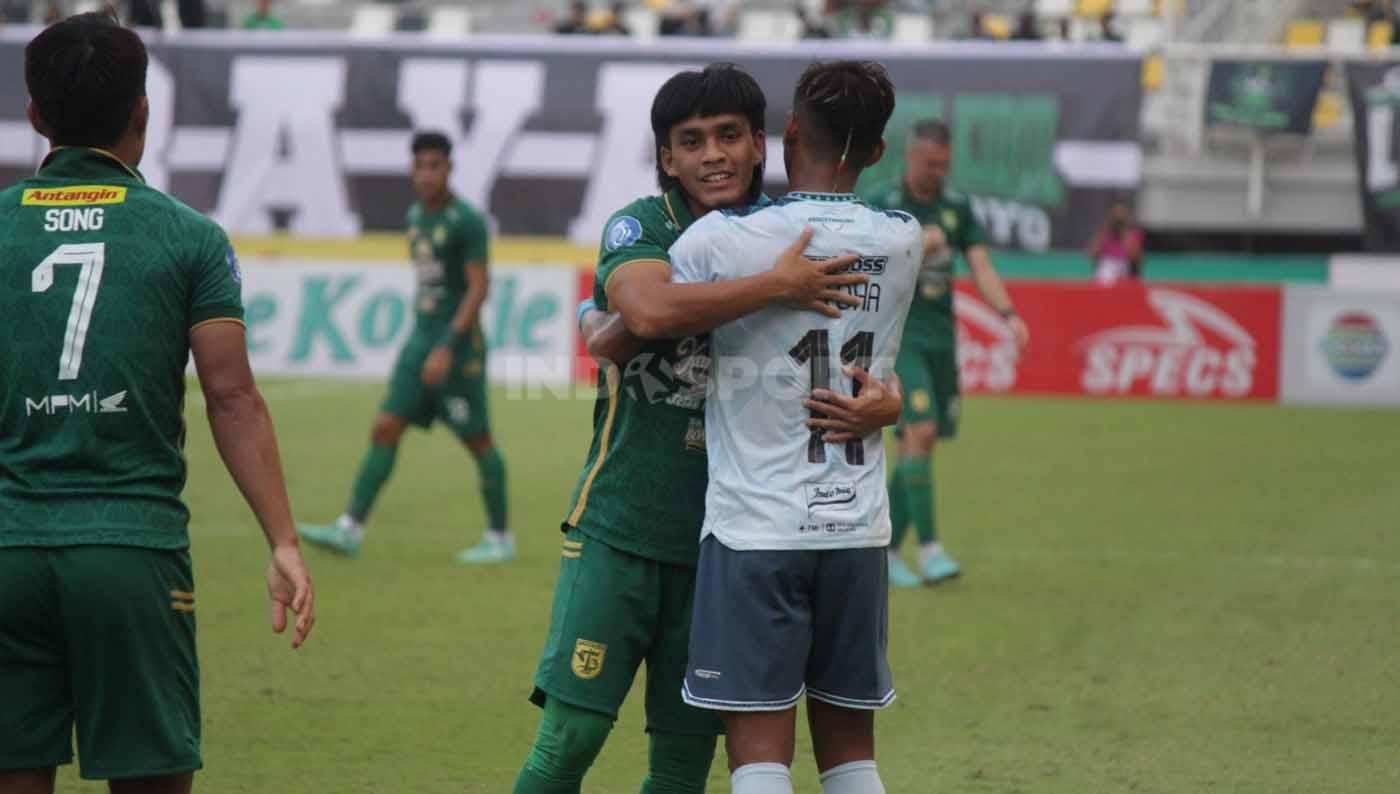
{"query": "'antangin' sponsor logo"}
[(74, 196)]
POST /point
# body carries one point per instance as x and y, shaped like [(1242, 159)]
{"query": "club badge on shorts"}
[(588, 659)]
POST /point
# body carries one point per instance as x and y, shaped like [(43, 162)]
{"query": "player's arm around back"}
[(245, 439), (655, 307)]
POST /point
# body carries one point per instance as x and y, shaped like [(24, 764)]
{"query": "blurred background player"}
[(791, 594), (440, 373), (928, 358), (1116, 249), (628, 574), (97, 600)]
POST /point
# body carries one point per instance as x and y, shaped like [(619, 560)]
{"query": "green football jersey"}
[(103, 280), (441, 244), (642, 489), (930, 322)]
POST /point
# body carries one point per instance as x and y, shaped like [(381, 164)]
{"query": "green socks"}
[(679, 764), (375, 469), (899, 511), (566, 745), (493, 488), (915, 477)]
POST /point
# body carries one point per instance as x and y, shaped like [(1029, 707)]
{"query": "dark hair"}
[(843, 107), (720, 88), (431, 141), (85, 75), (933, 131)]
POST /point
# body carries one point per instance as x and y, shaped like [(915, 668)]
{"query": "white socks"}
[(761, 779), (501, 536), (928, 551), (857, 777)]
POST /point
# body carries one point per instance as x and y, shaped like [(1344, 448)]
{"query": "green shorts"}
[(929, 376), (104, 637), (612, 610), (460, 402)]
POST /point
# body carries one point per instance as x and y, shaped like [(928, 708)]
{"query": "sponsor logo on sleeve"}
[(75, 196), (623, 232)]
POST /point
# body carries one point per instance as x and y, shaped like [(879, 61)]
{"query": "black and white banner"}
[(310, 131), (1375, 98)]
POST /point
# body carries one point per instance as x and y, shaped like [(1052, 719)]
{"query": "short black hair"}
[(85, 76), (843, 107), (932, 131), (720, 88), (431, 141)]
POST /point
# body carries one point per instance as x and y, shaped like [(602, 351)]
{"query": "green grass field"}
[(1157, 598)]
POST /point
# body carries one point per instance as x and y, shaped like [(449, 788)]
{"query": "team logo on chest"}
[(950, 220), (588, 659)]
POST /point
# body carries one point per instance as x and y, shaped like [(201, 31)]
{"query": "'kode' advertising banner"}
[(1217, 343), (350, 321), (1375, 96), (310, 132)]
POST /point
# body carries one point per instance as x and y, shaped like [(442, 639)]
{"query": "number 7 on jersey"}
[(90, 257)]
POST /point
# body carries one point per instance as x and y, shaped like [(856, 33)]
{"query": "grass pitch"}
[(1157, 598)]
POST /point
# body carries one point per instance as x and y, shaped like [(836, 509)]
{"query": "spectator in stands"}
[(144, 14), (811, 28), (1116, 249), (53, 12), (262, 18), (193, 14), (1027, 28), (863, 19), (576, 21), (685, 19), (615, 23), (1107, 30), (977, 26)]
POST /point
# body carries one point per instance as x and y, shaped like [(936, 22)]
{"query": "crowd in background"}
[(873, 19)]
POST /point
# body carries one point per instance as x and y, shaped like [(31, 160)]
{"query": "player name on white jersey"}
[(774, 483)]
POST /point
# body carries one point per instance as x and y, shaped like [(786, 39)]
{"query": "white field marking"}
[(1274, 561)]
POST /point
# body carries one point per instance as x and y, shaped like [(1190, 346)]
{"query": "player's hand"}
[(289, 587), (934, 240), (435, 369), (1019, 331), (854, 418), (813, 285)]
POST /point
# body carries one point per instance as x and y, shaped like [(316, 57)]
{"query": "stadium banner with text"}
[(310, 132), (1375, 98), (1159, 341), (1340, 346), (1265, 96), (349, 320)]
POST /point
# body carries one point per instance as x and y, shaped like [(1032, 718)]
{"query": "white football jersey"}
[(774, 484)]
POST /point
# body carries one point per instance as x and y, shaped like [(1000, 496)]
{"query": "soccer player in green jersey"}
[(106, 286), (928, 359), (633, 528), (441, 370)]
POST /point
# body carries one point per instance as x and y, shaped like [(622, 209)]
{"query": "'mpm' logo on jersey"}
[(73, 196)]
